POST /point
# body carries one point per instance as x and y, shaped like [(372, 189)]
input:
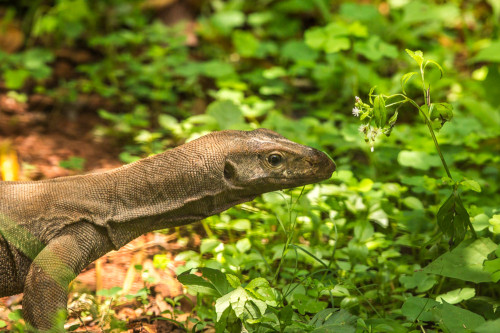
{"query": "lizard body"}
[(50, 230)]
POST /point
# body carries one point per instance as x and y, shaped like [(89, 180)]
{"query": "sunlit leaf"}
[(471, 184), (405, 78), (457, 295), (418, 56), (465, 262)]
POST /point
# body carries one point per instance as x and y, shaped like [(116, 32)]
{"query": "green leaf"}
[(217, 278), (208, 245), (225, 21), (418, 159), (495, 224), (257, 283), (14, 78), (222, 304), (363, 230), (227, 114), (109, 292), (233, 280), (73, 163), (413, 203), (457, 295), (379, 111), (306, 304), (198, 284), (493, 267), (490, 53), (419, 280), (491, 326), (375, 49), (332, 320), (471, 184), (432, 62), (334, 44), (2, 324), (458, 320), (245, 43), (418, 56), (452, 218), (315, 38), (416, 308), (465, 262), (405, 78), (442, 112), (243, 245), (298, 51), (480, 222)]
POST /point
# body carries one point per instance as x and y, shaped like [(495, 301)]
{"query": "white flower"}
[(356, 112), (362, 128), (357, 99), (372, 149)]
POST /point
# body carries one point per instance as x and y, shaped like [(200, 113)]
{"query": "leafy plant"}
[(452, 217)]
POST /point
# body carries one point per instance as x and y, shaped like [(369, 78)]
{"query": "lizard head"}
[(264, 161)]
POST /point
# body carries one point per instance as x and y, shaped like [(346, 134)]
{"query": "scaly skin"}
[(50, 230)]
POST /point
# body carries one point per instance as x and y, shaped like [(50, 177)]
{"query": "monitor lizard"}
[(52, 229)]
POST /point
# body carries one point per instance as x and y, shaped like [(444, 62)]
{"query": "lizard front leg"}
[(46, 286)]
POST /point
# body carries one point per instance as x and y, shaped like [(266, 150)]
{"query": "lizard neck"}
[(170, 189)]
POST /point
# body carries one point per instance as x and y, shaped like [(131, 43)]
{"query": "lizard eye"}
[(274, 159)]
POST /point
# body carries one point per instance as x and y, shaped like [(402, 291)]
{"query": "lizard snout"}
[(322, 165)]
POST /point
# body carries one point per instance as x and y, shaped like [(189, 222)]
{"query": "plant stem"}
[(436, 144), (427, 99)]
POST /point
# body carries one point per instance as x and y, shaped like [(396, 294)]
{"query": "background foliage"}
[(359, 253)]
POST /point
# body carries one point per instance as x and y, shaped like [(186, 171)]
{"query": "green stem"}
[(436, 144), (429, 125), (209, 232)]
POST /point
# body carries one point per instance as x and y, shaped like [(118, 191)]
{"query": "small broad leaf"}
[(332, 320), (405, 78), (490, 326), (442, 112), (418, 308), (217, 278), (418, 159), (458, 320), (233, 280), (457, 295), (15, 78), (197, 284), (418, 56), (379, 111), (227, 114), (452, 218), (420, 280), (257, 283), (432, 62), (238, 298), (471, 184), (465, 262), (495, 225), (493, 266), (221, 305)]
